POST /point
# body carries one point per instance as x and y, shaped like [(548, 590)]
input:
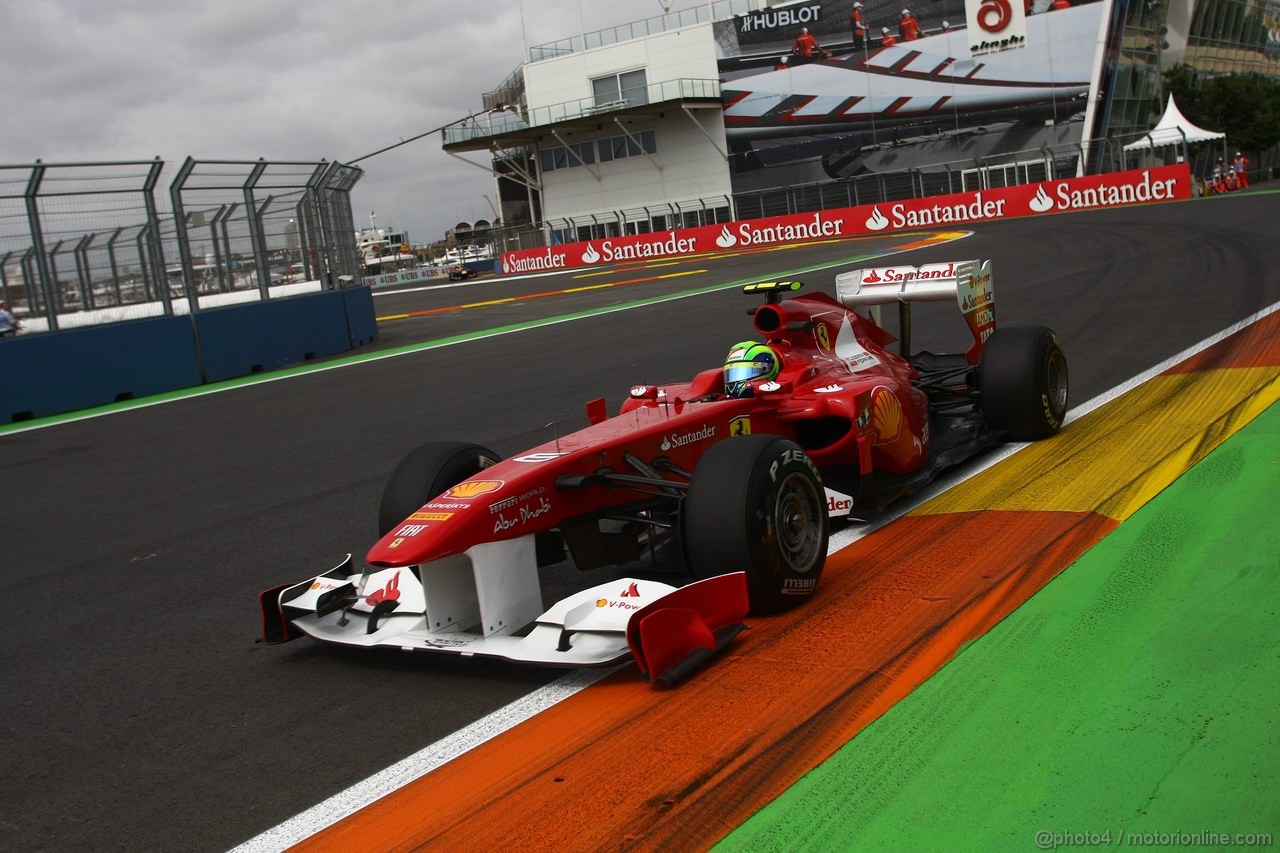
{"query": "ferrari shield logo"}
[(741, 425), (823, 336)]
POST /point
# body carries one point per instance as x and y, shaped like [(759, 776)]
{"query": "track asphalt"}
[(622, 764), (139, 714)]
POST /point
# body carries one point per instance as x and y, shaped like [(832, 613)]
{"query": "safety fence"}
[(877, 182), (1116, 189), (85, 244), (978, 169)]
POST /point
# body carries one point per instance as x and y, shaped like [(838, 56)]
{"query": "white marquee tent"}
[(1173, 129)]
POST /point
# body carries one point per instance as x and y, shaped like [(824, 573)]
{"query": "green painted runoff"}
[(1138, 692)]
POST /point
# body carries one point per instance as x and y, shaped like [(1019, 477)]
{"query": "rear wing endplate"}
[(970, 283)]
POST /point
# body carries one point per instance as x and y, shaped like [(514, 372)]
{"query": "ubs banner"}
[(1164, 183)]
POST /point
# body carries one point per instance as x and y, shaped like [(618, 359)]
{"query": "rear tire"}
[(756, 505), (1023, 379), (426, 472)]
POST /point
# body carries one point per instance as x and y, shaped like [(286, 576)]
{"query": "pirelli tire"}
[(756, 504), (424, 473), (1023, 380)]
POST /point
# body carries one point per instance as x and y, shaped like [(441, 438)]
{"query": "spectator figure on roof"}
[(858, 28), (805, 47), (886, 38), (908, 26)]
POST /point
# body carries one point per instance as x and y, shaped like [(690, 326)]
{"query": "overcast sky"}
[(87, 80)]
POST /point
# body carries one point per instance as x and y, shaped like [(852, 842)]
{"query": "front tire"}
[(756, 504), (1023, 380), (426, 472)]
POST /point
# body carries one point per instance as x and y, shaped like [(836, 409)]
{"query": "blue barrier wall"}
[(51, 373), (47, 374), (362, 323), (241, 339)]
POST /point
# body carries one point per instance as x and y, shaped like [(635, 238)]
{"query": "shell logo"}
[(1041, 203), (602, 602), (877, 220), (590, 255), (886, 416), (726, 240), (474, 488)]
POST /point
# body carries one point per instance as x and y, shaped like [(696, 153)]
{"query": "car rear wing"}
[(970, 283)]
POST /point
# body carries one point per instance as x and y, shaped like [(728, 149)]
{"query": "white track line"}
[(419, 764), (348, 802)]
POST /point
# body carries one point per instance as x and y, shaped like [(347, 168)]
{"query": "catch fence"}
[(91, 243), (978, 169)]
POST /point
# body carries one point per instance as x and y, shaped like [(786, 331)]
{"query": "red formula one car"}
[(732, 477)]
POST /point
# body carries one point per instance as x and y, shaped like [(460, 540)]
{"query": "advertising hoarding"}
[(1118, 189)]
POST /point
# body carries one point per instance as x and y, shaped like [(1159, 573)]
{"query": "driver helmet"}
[(748, 361)]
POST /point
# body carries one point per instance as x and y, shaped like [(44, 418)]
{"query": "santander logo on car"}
[(901, 274)]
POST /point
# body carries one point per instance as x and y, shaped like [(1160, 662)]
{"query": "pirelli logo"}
[(431, 516)]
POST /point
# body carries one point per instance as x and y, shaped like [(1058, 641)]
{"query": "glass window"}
[(546, 160), (561, 158), (619, 144), (606, 150), (605, 89), (586, 151), (649, 141), (628, 86), (632, 85), (633, 148)]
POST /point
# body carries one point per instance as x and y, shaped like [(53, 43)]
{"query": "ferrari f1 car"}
[(734, 476)]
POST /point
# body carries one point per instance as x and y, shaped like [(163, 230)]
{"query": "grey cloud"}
[(284, 79)]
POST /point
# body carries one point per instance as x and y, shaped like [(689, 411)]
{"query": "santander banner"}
[(1118, 189)]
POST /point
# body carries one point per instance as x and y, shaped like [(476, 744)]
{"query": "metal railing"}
[(981, 172), (973, 173), (687, 213), (716, 11), (91, 243), (497, 122)]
